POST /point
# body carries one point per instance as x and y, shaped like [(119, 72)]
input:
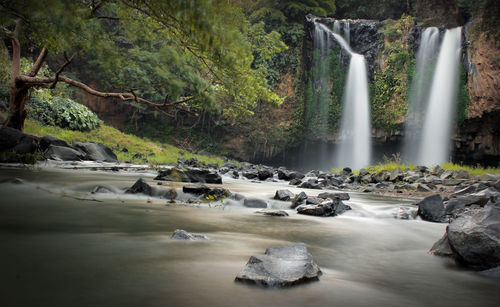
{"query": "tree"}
[(162, 54)]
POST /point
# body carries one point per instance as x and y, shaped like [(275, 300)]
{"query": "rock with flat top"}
[(280, 266)]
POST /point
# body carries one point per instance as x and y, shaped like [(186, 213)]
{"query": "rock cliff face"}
[(483, 73)]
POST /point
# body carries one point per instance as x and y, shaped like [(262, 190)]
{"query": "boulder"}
[(330, 195), (280, 266), (189, 175), (217, 194), (431, 208), (95, 151), (48, 140), (396, 175), (295, 181), (272, 212), (254, 203), (326, 208), (283, 195), (172, 174), (404, 213), (203, 176), (196, 189), (61, 153), (284, 174), (180, 234), (140, 187), (298, 200), (423, 188), (311, 184), (9, 137), (101, 189), (251, 174), (263, 174), (474, 239), (442, 247)]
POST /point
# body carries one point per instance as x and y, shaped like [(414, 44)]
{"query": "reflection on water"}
[(58, 251)]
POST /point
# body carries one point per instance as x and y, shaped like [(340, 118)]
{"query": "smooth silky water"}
[(59, 251)]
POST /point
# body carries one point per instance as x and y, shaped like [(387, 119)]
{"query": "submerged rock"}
[(254, 203), (272, 212), (101, 189), (180, 234), (14, 180), (280, 266)]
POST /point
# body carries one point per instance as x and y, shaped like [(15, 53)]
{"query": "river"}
[(60, 251)]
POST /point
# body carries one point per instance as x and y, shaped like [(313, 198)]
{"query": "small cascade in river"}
[(354, 149), (435, 143), (419, 92)]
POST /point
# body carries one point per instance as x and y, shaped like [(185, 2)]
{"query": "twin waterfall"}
[(432, 97), (354, 148), (440, 112)]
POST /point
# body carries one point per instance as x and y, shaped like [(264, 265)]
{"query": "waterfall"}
[(355, 146), (436, 132), (354, 149), (419, 92)]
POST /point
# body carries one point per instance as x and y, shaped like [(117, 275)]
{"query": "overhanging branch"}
[(45, 82)]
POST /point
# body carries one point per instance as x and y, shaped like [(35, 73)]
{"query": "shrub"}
[(62, 112)]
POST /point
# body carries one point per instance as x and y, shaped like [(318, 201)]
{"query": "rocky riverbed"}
[(469, 204)]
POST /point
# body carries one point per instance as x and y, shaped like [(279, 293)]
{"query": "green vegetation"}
[(392, 165), (391, 84), (62, 112), (155, 152)]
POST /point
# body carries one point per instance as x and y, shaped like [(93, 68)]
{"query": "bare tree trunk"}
[(18, 97), (18, 93)]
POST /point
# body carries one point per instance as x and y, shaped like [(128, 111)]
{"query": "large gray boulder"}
[(473, 239), (62, 153), (431, 208), (48, 140), (280, 266), (95, 151)]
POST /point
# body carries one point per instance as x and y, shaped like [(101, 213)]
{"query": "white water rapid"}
[(438, 120)]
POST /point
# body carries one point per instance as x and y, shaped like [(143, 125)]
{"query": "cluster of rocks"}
[(325, 204), (15, 146), (473, 236)]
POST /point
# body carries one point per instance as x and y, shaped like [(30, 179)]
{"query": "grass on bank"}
[(154, 152), (390, 166)]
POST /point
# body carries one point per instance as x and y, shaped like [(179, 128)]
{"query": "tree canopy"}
[(158, 53)]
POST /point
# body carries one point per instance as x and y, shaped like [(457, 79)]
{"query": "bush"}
[(62, 112)]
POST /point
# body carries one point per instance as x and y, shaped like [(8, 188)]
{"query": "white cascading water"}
[(419, 92), (354, 148), (435, 143)]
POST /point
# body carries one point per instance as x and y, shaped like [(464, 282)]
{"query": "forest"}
[(250, 152)]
